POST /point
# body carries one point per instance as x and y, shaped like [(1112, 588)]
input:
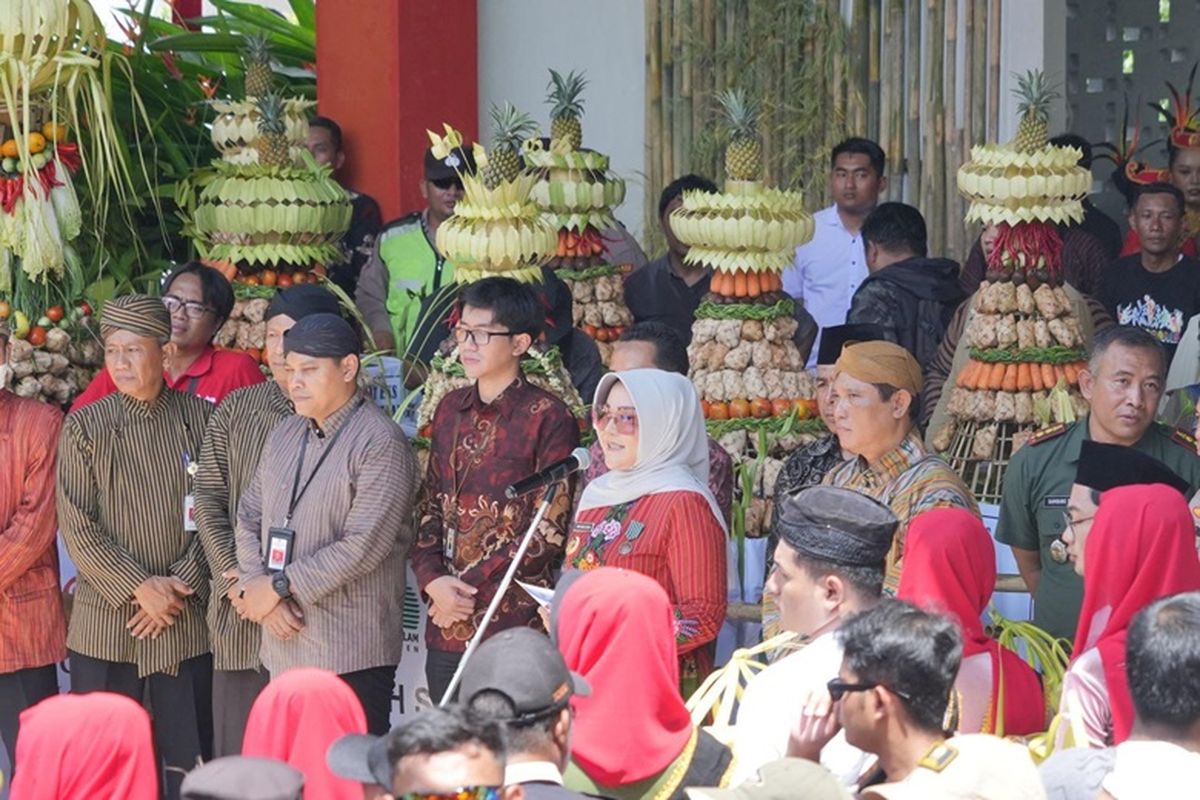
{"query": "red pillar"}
[(386, 71)]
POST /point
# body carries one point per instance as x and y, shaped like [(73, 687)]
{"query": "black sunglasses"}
[(447, 183), (839, 688)]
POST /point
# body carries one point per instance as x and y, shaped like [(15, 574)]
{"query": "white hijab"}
[(672, 450)]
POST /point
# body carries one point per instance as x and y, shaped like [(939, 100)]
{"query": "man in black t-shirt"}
[(1156, 289)]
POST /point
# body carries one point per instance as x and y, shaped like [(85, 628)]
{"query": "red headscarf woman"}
[(1142, 546), (85, 746), (616, 629), (950, 567), (295, 720)]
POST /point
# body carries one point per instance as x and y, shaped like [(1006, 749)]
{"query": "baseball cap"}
[(525, 667), (362, 758), (243, 778), (976, 766), (785, 779), (458, 161)]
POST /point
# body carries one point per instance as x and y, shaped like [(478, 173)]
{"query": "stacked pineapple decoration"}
[(577, 193), (266, 214), (1025, 345), (751, 378)]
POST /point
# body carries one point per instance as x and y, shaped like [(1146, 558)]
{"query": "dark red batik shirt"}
[(468, 528)]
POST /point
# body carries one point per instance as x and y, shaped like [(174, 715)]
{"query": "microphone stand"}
[(505, 583)]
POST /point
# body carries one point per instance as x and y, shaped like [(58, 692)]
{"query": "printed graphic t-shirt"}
[(1158, 302)]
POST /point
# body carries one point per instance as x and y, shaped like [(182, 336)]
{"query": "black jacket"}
[(912, 300)]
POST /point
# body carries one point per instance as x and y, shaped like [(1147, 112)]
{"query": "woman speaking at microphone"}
[(652, 512)]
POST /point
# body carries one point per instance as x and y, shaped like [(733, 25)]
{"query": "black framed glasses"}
[(461, 793), (1071, 522), (446, 184), (839, 688), (191, 309), (476, 337)]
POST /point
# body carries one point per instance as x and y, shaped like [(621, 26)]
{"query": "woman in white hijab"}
[(652, 512)]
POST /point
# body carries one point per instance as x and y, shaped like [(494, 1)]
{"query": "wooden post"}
[(912, 78), (932, 192), (654, 100), (952, 136), (993, 78)]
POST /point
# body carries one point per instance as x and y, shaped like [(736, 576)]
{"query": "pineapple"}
[(257, 57), (1035, 94), (743, 154), (272, 142), (510, 128), (566, 132)]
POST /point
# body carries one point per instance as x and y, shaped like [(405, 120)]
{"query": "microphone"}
[(580, 459)]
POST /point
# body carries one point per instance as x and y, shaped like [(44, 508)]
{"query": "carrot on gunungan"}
[(1024, 377), (965, 376), (996, 376), (739, 284), (1035, 374), (1072, 371), (1060, 374), (1048, 378), (753, 284), (1010, 379)]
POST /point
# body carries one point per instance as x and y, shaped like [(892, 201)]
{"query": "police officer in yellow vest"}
[(405, 267)]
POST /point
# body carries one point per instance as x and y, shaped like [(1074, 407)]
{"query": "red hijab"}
[(950, 568), (615, 628), (86, 746), (295, 720), (1142, 546)]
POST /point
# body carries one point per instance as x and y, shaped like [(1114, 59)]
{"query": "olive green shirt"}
[(1037, 486)]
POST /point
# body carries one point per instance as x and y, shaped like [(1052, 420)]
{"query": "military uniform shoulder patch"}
[(1048, 433), (940, 756), (1183, 439)]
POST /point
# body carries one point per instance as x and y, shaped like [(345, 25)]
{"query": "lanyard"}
[(300, 465)]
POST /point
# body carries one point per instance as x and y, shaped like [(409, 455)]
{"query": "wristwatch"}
[(281, 585)]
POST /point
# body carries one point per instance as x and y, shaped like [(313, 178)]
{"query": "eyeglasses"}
[(461, 793), (839, 688), (191, 308), (1071, 523), (445, 184), (476, 337), (625, 417)]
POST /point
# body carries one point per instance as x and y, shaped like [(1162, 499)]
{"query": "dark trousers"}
[(18, 691), (439, 671), (234, 692), (374, 689), (180, 707)]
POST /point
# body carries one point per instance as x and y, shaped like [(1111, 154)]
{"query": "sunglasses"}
[(839, 688), (446, 184), (625, 417), (461, 793)]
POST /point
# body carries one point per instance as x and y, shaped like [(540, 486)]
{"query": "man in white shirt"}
[(828, 566), (829, 269)]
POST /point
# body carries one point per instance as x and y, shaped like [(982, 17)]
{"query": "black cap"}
[(243, 778), (840, 526), (322, 336), (1107, 466), (362, 758), (526, 667), (460, 161), (301, 301), (835, 338)]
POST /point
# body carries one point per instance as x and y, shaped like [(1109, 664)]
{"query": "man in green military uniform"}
[(1123, 385), (405, 267)]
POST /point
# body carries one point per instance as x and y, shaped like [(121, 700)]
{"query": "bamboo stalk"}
[(952, 227), (874, 43), (839, 74), (912, 79), (894, 36), (932, 194), (653, 117), (681, 80), (666, 13), (993, 70)]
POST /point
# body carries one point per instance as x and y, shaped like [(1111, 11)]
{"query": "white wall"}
[(1033, 35), (519, 40)]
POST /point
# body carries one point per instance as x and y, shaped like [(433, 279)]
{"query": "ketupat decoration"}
[(756, 395), (1017, 368), (266, 202), (577, 193), (497, 230)]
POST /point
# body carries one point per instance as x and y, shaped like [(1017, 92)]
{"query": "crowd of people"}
[(242, 539)]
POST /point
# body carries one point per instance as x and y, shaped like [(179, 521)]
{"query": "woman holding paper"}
[(652, 512)]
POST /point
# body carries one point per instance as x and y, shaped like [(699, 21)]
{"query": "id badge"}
[(189, 514), (279, 548)]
